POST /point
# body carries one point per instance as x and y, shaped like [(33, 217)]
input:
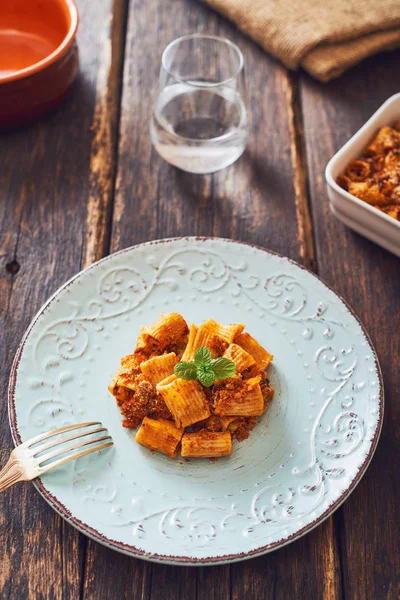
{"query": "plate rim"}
[(130, 549)]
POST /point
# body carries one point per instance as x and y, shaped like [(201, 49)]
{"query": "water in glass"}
[(199, 130), (199, 123)]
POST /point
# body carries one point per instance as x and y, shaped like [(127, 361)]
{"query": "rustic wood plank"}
[(258, 189), (213, 583), (315, 560), (300, 179), (255, 200), (172, 582), (106, 570), (368, 278), (105, 129), (45, 185)]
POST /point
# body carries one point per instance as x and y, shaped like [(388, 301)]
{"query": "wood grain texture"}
[(310, 568), (213, 583), (154, 200), (44, 183), (368, 278), (300, 173), (56, 217), (108, 574), (105, 130)]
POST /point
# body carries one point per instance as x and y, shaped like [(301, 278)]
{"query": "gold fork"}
[(24, 463)]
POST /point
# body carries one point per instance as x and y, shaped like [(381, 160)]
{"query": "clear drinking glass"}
[(199, 121)]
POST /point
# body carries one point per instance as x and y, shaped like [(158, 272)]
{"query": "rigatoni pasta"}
[(191, 344), (186, 400), (205, 337), (167, 329), (240, 398), (226, 333), (193, 389), (159, 367), (206, 444), (159, 434), (250, 345), (242, 359)]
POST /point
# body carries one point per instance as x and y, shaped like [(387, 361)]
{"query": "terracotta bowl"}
[(38, 57)]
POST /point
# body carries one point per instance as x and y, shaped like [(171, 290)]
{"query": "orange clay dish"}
[(193, 388), (375, 176)]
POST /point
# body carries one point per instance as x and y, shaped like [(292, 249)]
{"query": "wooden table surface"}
[(86, 182)]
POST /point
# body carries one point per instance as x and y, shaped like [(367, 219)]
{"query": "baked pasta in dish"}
[(375, 176), (193, 388)]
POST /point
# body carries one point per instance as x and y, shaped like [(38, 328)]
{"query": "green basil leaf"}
[(186, 370), (223, 368), (205, 375), (202, 356)]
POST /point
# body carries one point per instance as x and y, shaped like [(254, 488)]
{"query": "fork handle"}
[(11, 473)]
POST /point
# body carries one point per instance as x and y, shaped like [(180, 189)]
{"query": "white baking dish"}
[(360, 216)]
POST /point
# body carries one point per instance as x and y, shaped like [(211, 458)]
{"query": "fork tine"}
[(60, 451), (53, 443), (62, 461), (49, 434)]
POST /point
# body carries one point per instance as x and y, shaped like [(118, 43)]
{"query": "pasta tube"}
[(190, 349), (248, 343), (158, 368), (249, 403), (242, 359), (185, 400), (168, 329), (226, 333), (206, 444), (159, 434)]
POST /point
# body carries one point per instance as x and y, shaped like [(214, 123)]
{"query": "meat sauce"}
[(138, 398)]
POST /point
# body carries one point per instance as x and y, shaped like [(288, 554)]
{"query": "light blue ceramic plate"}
[(306, 454)]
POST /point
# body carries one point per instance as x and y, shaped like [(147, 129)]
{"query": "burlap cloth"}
[(325, 37)]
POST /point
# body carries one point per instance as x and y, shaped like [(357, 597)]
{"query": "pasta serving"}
[(375, 176), (193, 388)]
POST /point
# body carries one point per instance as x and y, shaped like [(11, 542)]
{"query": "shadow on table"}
[(251, 172)]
